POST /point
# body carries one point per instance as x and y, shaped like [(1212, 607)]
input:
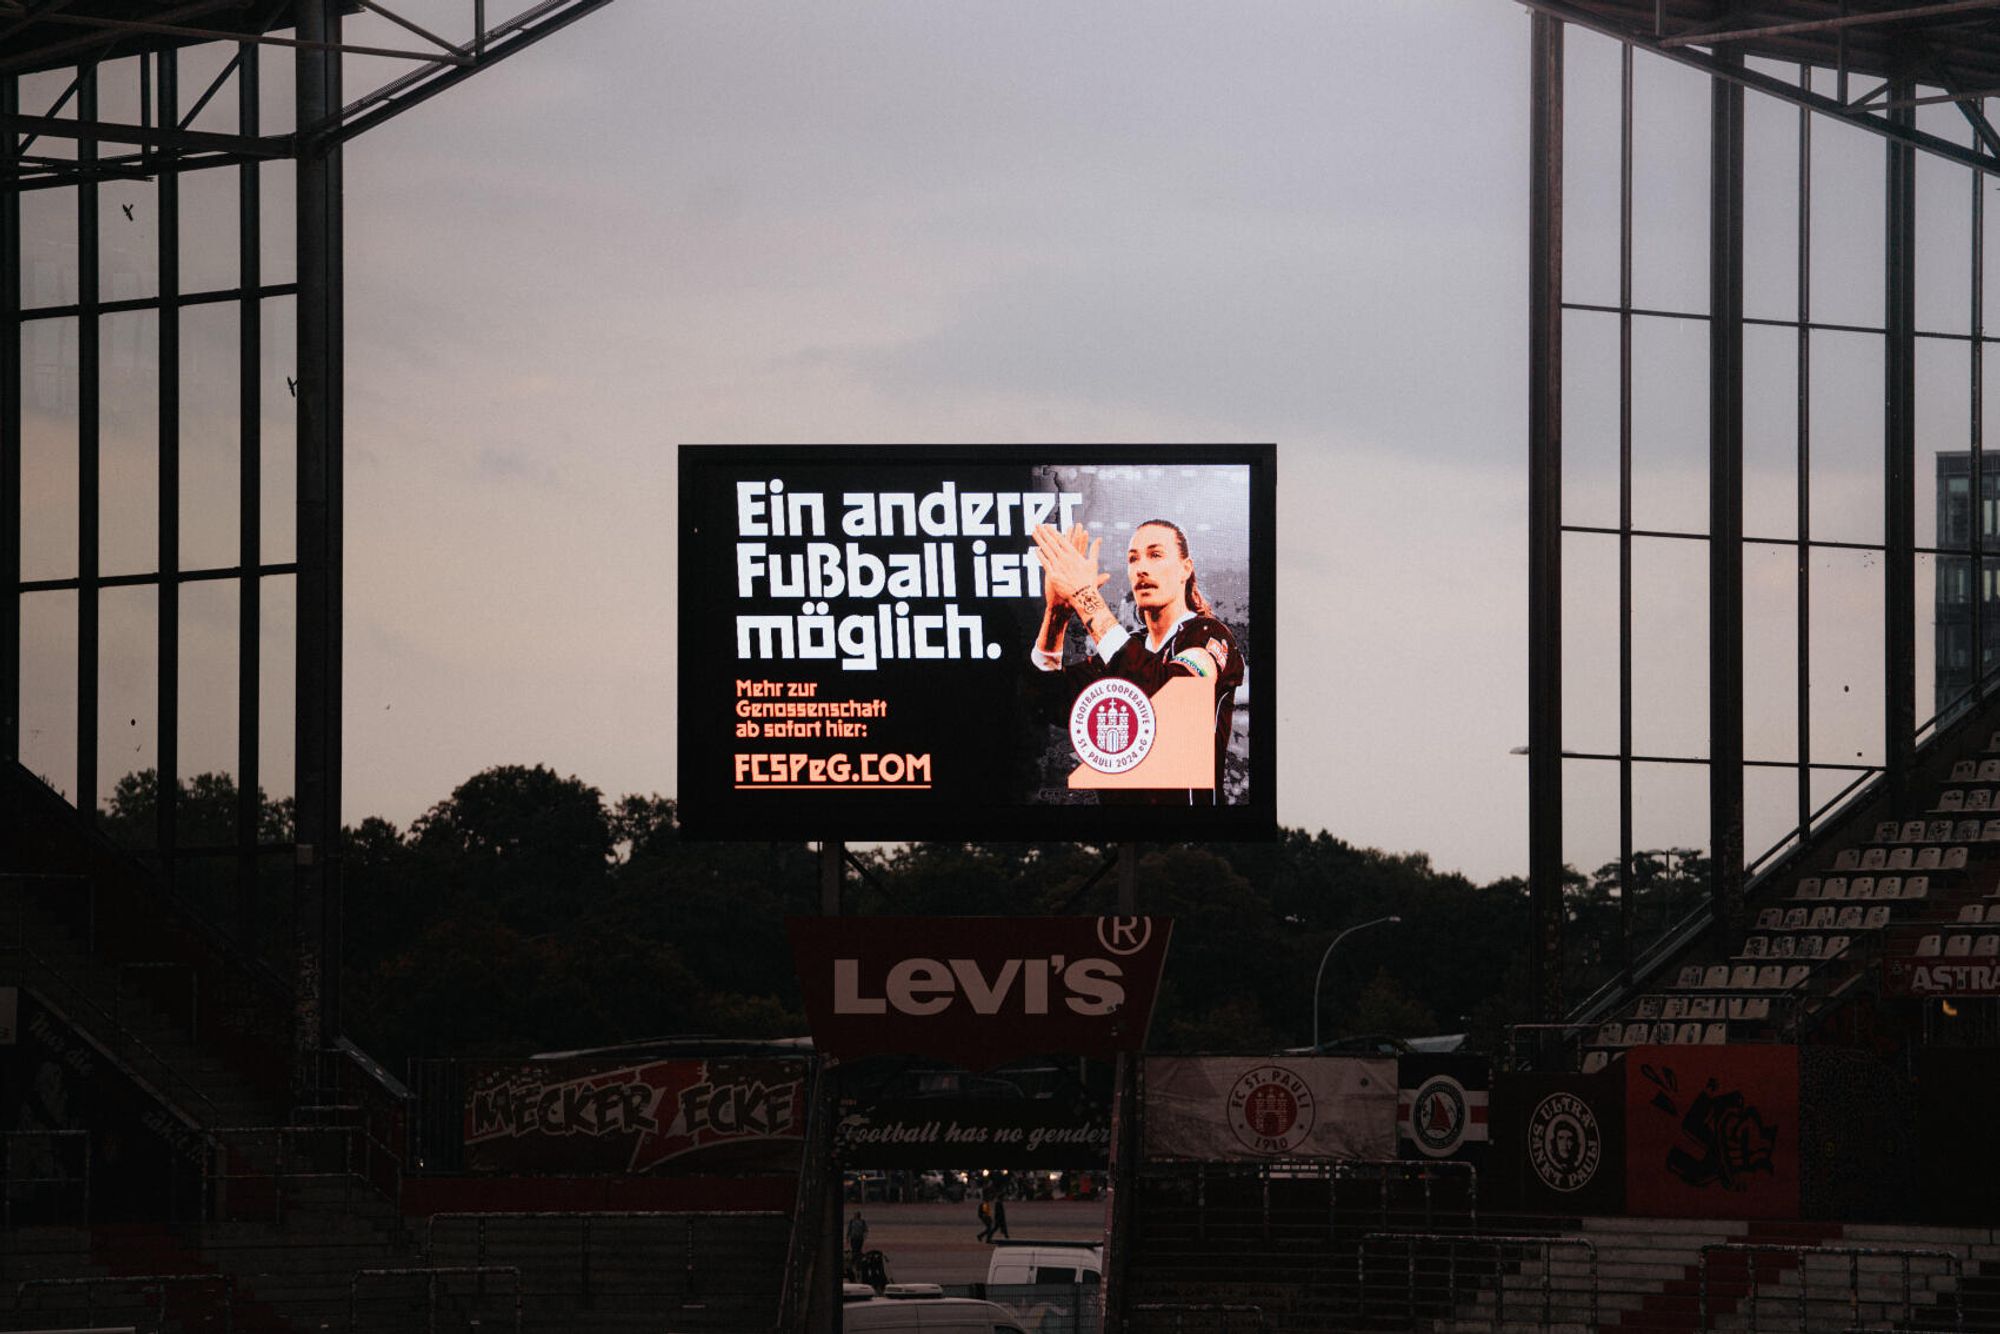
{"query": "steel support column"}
[(250, 499), (823, 1303), (166, 837), (89, 482), (1975, 494), (1725, 506), (1899, 445), (10, 433), (1802, 570), (1545, 794), (318, 750), (1626, 887)]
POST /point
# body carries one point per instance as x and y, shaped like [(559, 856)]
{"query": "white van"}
[(930, 1315), (1026, 1262)]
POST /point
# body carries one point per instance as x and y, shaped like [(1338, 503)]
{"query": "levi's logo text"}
[(978, 990), (1020, 986)]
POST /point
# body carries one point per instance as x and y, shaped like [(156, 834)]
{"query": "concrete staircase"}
[(1649, 1278), (693, 1272), (286, 1224)]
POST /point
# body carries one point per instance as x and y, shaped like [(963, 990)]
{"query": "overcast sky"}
[(899, 221)]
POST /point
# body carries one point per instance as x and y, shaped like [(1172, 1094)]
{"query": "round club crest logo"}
[(1564, 1145), (1111, 725), (1271, 1110), (1438, 1116)]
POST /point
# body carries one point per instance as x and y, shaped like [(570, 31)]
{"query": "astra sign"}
[(979, 990)]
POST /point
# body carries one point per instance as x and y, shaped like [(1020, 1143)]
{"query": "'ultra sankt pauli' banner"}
[(975, 641)]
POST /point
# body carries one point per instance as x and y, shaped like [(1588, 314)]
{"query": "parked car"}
[(929, 1315)]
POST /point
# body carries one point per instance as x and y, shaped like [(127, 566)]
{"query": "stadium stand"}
[(258, 1214)]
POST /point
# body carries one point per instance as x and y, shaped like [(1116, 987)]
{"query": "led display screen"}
[(992, 641)]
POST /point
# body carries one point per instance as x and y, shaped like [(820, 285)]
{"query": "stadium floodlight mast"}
[(1321, 975)]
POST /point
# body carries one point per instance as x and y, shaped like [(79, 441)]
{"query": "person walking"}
[(1000, 1216), (857, 1237), (985, 1216)]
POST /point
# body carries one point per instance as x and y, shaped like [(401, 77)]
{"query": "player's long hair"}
[(1190, 594)]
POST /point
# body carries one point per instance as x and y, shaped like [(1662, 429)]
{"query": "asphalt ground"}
[(939, 1243)]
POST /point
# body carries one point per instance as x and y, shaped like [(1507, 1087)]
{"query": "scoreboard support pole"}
[(823, 1311), (1124, 1124)]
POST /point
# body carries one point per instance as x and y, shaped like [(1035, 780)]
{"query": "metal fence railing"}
[(1445, 1273), (1314, 1199), (58, 1176), (259, 1169), (1867, 1285), (152, 1292), (1194, 1318), (431, 1274), (575, 1258)]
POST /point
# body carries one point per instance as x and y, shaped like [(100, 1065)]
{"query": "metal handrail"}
[(193, 1128), (432, 1273), (75, 989), (1454, 1241), (810, 1203), (7, 1177), (1863, 786), (1177, 1309), (90, 898), (385, 1103), (1691, 927), (160, 965), (90, 1286), (232, 954), (1853, 1254)]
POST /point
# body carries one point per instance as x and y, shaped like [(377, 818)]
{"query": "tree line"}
[(527, 912)]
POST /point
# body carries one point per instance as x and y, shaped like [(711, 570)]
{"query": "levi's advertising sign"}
[(979, 990), (1033, 642)]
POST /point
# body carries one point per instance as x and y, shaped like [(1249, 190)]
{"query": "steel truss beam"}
[(1848, 113), (1872, 18), (444, 67), (162, 149)]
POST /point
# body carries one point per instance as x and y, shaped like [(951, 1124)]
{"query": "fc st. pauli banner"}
[(1209, 1108)]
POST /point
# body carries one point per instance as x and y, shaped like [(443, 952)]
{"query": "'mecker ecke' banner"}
[(1007, 641), (675, 1117), (979, 990)]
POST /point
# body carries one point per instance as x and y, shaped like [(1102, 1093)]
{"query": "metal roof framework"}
[(68, 145), (1887, 59)]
